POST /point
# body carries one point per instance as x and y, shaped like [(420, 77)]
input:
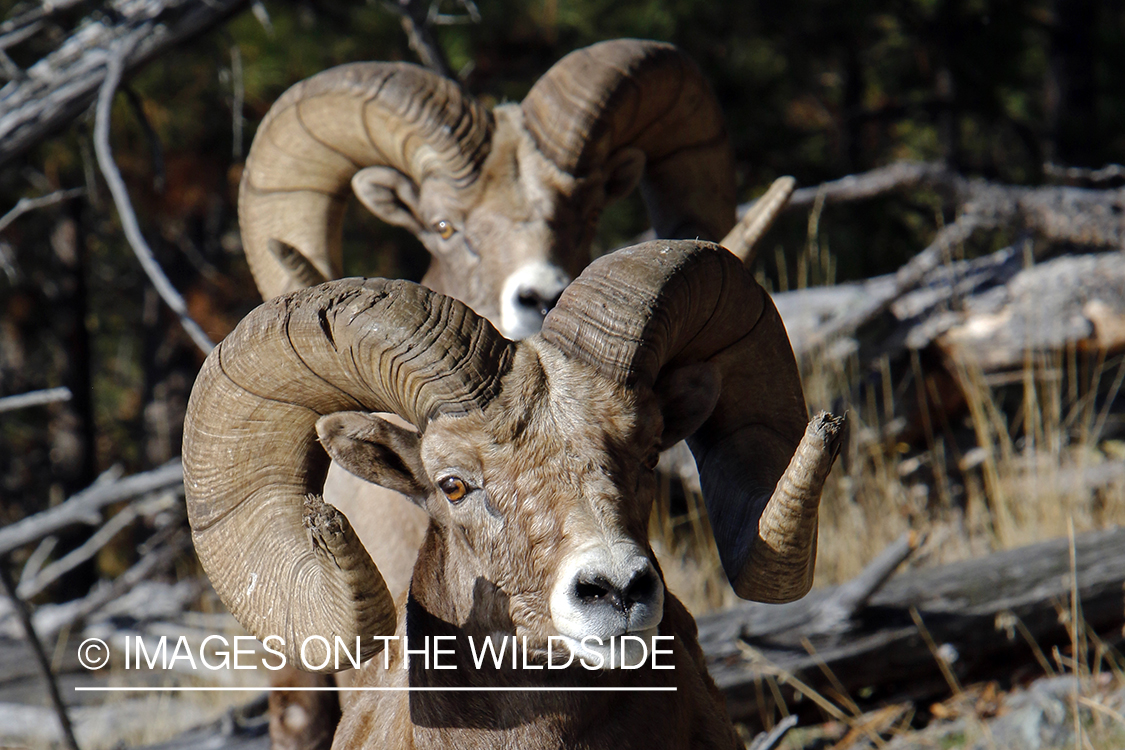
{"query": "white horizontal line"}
[(376, 689)]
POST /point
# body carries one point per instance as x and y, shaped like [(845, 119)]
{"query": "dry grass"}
[(1082, 706), (974, 478)]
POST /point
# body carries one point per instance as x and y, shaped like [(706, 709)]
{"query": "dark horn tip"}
[(830, 428)]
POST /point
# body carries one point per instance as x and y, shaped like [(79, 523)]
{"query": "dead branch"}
[(1108, 173), (24, 615), (908, 278), (902, 175), (35, 398), (37, 560), (419, 34), (847, 599), (62, 85), (36, 15), (972, 609), (24, 205), (771, 739), (70, 615), (1079, 216), (100, 538), (129, 224), (82, 508)]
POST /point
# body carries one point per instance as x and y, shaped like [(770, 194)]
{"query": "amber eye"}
[(443, 228), (454, 488), (651, 460)]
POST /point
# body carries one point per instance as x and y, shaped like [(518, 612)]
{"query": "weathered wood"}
[(82, 508), (1079, 216), (62, 85), (987, 313), (973, 609), (35, 398), (1071, 301), (23, 613)]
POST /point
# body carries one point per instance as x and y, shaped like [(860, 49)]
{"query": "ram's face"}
[(540, 506), (508, 243)]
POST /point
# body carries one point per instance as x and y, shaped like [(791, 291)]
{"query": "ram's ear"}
[(375, 450), (390, 195), (687, 396)]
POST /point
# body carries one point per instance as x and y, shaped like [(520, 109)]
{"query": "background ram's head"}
[(505, 201)]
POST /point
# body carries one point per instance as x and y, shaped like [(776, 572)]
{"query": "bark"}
[(62, 85), (982, 613)]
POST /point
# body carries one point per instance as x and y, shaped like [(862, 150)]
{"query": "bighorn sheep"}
[(534, 463), (505, 201)]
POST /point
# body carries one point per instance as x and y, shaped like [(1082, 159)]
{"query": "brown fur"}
[(520, 209), (301, 719), (554, 467)]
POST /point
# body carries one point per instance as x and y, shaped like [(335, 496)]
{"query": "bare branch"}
[(8, 262), (24, 615), (847, 599), (37, 559), (36, 15), (437, 18), (114, 68), (1073, 215), (155, 148), (419, 34), (906, 279), (70, 614), (62, 85), (891, 178), (1108, 173), (24, 205), (262, 16), (34, 398), (83, 508), (771, 739), (89, 548)]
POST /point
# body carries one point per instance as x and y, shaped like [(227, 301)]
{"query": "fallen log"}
[(1071, 301), (986, 314), (983, 614)]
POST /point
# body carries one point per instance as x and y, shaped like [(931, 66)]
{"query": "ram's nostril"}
[(641, 588), (533, 299), (594, 590)]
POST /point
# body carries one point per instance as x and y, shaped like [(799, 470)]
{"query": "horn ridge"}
[(323, 130), (252, 458), (632, 93)]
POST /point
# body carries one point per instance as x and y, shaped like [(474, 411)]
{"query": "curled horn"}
[(325, 129), (284, 562), (630, 93), (647, 310)]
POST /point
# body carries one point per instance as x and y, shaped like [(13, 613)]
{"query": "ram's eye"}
[(651, 460), (454, 488), (444, 229)]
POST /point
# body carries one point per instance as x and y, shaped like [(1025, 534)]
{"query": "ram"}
[(506, 201), (534, 462)]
